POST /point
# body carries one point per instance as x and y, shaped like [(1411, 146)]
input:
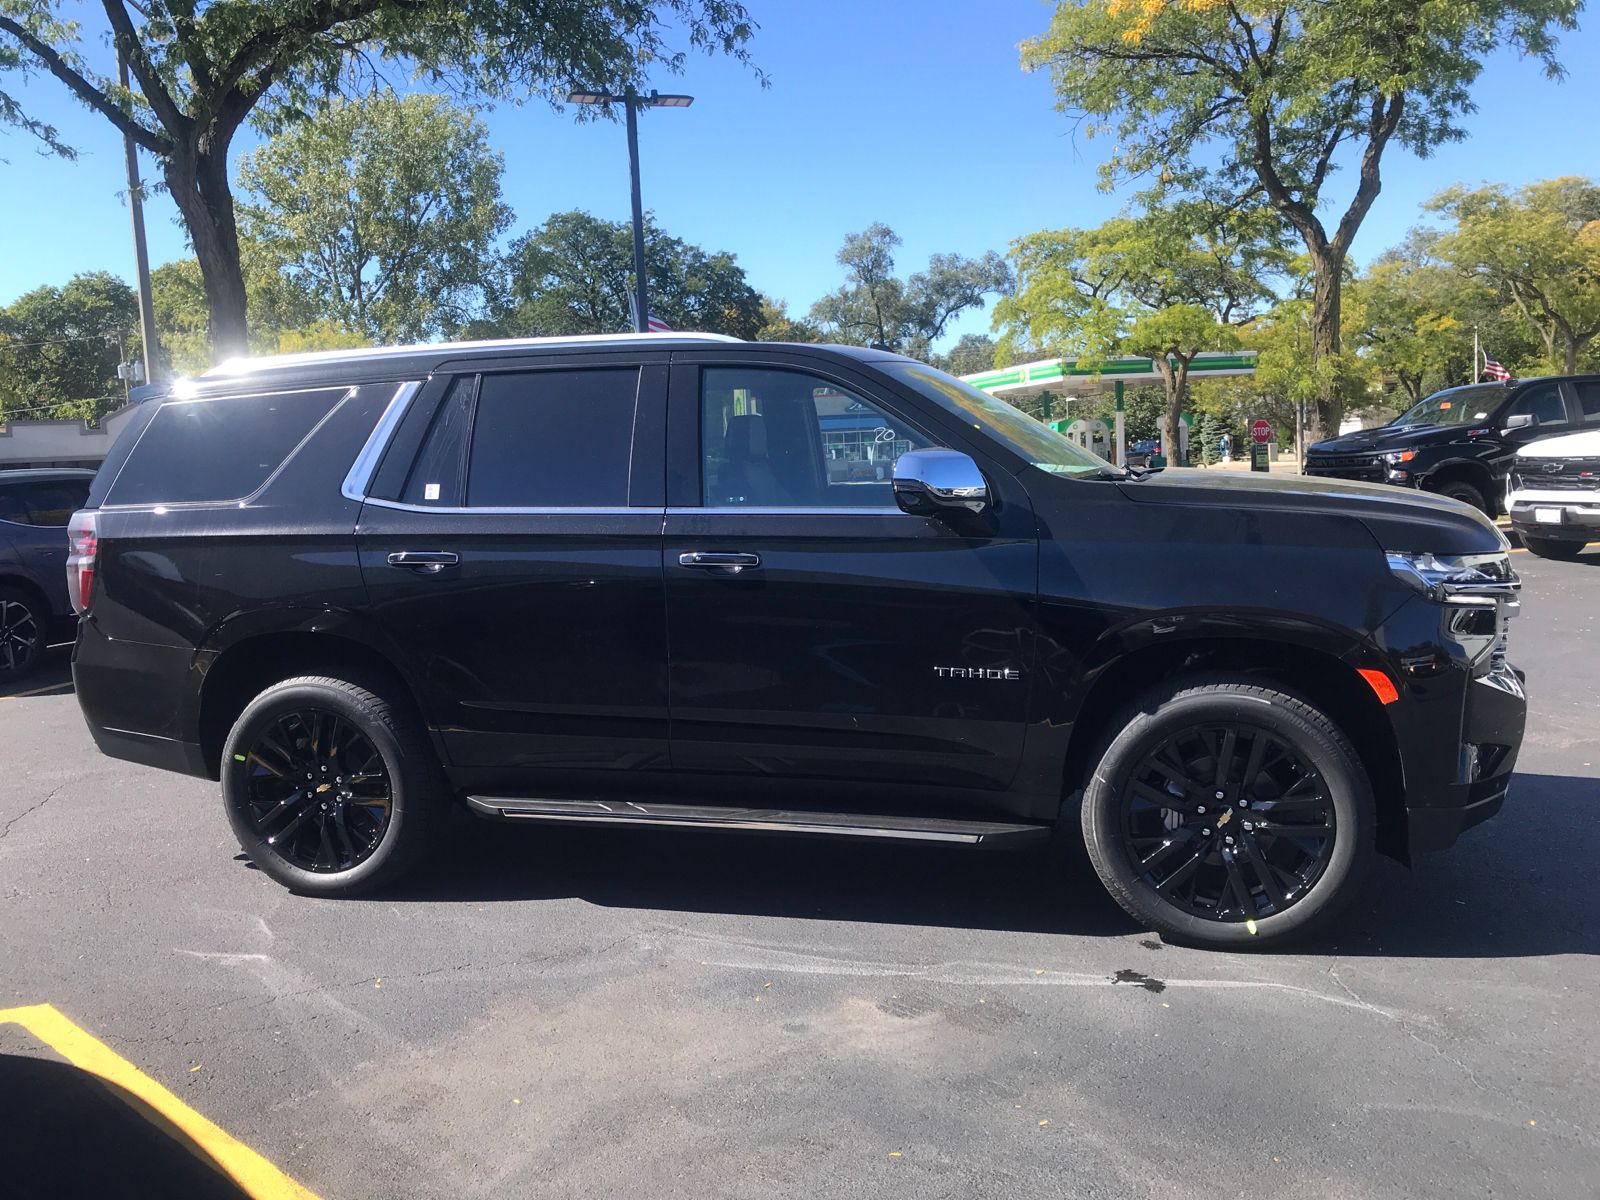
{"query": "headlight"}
[(1395, 457), (1481, 579)]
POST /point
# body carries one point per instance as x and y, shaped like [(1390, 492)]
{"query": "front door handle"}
[(424, 562), (732, 563)]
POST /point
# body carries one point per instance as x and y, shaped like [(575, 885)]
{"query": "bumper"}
[(141, 702), (1578, 517), (1492, 725)]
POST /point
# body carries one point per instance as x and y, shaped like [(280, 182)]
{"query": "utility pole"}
[(141, 255)]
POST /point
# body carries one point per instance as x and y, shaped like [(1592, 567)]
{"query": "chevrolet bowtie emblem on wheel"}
[(977, 673)]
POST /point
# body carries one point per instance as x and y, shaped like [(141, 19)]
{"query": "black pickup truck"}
[(1461, 442)]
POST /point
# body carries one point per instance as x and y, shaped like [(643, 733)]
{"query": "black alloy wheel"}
[(318, 791), (1228, 822), (22, 633), (331, 787), (1228, 812), (1464, 492)]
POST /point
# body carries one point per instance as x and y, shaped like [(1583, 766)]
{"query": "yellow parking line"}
[(36, 691), (249, 1170)]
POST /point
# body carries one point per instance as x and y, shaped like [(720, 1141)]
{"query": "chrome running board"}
[(627, 812)]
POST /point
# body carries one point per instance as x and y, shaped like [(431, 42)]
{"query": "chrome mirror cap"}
[(928, 481)]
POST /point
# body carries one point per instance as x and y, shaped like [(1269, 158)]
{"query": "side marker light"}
[(1381, 684)]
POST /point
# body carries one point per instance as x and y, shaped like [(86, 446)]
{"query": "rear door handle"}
[(732, 563), (424, 562)]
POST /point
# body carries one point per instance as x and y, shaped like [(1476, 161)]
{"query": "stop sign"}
[(1260, 431)]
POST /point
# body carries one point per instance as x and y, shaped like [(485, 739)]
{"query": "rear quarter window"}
[(221, 449)]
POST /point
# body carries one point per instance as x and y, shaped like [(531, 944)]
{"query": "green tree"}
[(1210, 439), (201, 70), (384, 210), (574, 274), (875, 307), (59, 348), (1540, 248), (281, 316), (973, 353), (778, 326), (1152, 285), (1276, 92)]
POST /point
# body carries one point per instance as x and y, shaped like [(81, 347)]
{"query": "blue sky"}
[(914, 115)]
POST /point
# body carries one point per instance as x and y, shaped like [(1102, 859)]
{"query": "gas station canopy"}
[(1063, 376)]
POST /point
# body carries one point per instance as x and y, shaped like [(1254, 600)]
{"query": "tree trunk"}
[(1570, 361), (198, 181), (1171, 444), (1325, 344)]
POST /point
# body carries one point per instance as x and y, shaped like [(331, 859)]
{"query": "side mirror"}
[(931, 483), (1521, 421)]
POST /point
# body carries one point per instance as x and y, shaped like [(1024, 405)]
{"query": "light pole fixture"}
[(633, 102)]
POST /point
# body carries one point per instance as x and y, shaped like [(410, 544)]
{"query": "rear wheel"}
[(331, 788), (1228, 814), (1464, 492), (23, 626), (1553, 547)]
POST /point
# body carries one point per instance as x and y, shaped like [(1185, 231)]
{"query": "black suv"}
[(35, 506), (686, 581), (1462, 442)]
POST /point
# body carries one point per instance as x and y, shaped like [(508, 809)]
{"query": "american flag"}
[(1493, 370), (657, 325)]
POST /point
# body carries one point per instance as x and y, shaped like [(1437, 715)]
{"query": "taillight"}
[(81, 547)]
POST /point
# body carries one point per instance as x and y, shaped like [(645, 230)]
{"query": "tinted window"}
[(552, 439), (780, 439), (1589, 400), (441, 468), (13, 507), (53, 501), (1543, 403), (217, 449)]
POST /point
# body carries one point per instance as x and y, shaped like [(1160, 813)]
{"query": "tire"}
[(1464, 492), (1307, 771), (24, 634), (379, 799), (1559, 548)]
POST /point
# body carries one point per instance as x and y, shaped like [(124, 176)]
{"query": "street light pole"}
[(641, 305), (633, 102), (141, 255)]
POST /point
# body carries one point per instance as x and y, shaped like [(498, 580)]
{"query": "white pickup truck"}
[(1554, 494)]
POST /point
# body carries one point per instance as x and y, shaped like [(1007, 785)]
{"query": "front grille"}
[(1574, 475), (1341, 462)]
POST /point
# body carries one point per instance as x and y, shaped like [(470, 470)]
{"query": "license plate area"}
[(1547, 516)]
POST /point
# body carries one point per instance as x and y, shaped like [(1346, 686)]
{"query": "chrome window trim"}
[(797, 512), (359, 479), (460, 512)]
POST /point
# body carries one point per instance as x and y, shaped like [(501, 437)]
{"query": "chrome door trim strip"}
[(357, 481), (554, 512), (740, 510)]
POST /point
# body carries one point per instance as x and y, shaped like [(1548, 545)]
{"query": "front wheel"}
[(331, 788), (1228, 814), (1558, 548), (1465, 493)]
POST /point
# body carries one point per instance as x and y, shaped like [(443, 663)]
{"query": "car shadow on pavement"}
[(67, 1133), (1516, 885), (52, 677)]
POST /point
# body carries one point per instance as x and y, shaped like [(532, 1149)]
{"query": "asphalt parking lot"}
[(579, 1013)]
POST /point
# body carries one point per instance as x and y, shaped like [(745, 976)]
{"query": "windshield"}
[(1018, 432), (1458, 406)]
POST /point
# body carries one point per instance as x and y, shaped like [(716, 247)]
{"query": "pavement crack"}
[(32, 808)]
